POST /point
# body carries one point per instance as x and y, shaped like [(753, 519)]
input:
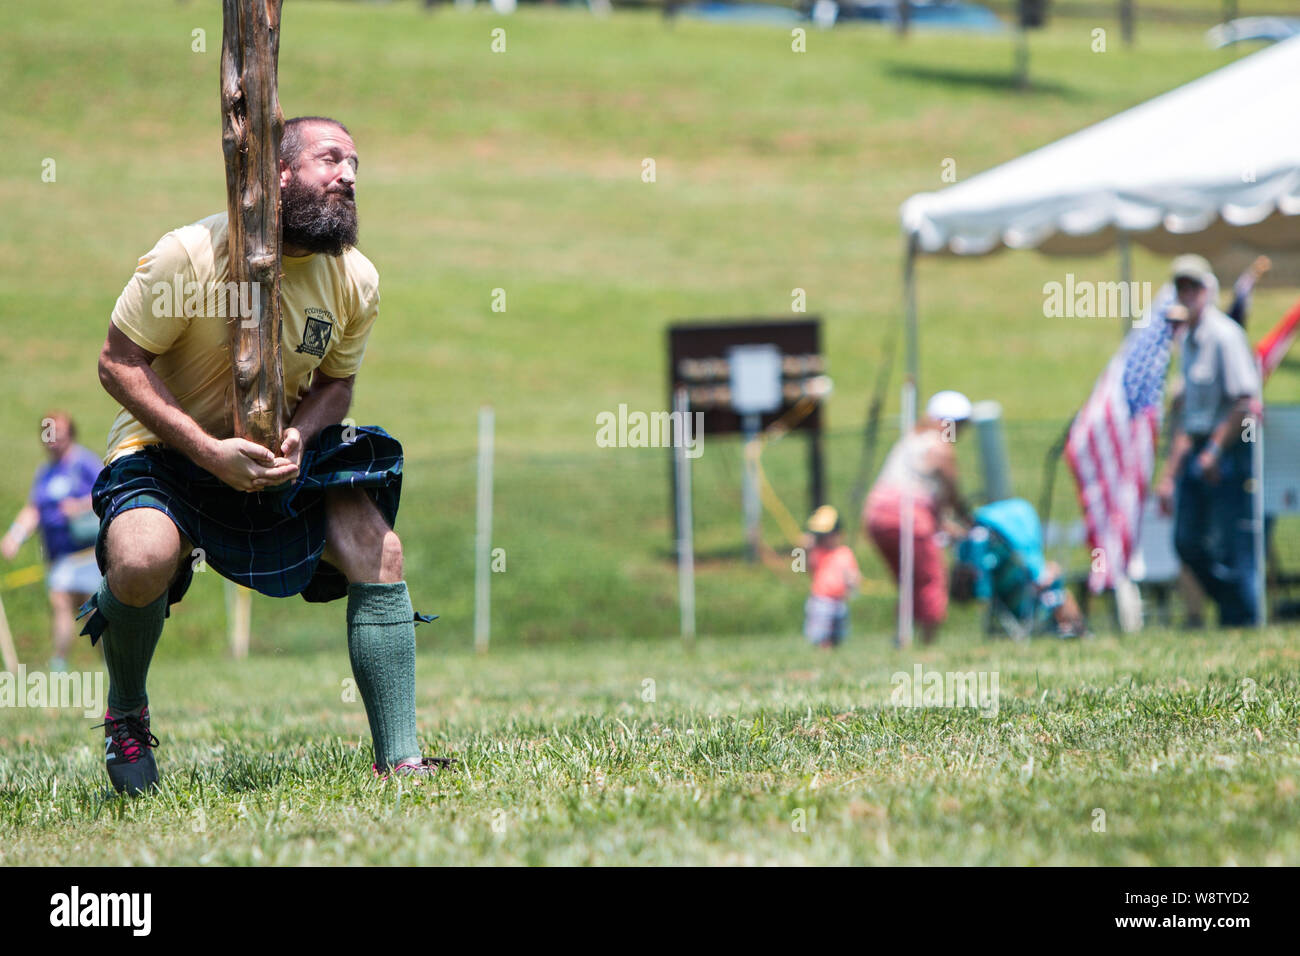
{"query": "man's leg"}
[(381, 623), (1194, 531), (144, 550), (1193, 598), (1235, 560)]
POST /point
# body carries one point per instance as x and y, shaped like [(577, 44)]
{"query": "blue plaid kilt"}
[(270, 541)]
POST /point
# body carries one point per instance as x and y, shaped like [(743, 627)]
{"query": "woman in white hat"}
[(922, 465)]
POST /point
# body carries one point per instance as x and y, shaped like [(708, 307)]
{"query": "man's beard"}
[(316, 220)]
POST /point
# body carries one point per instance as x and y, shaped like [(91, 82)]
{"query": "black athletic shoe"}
[(127, 755)]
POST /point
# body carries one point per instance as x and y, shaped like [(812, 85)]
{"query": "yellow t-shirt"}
[(176, 304)]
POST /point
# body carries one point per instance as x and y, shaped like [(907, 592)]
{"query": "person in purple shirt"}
[(59, 505)]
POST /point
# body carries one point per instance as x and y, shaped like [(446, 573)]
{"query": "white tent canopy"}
[(1211, 167)]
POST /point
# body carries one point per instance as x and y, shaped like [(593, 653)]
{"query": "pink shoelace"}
[(131, 734)]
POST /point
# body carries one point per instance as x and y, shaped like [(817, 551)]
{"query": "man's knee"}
[(390, 559), (359, 541), (143, 552)]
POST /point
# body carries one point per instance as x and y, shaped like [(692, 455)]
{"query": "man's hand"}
[(1208, 460), (247, 466), (291, 447), (325, 403)]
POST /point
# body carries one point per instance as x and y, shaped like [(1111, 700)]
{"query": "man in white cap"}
[(921, 467), (1206, 477)]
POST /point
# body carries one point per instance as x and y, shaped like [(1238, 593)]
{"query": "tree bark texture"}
[(252, 126)]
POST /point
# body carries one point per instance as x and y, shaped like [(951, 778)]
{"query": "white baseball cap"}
[(948, 406), (1194, 267)]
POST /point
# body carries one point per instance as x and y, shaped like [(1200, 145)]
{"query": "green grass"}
[(745, 740)]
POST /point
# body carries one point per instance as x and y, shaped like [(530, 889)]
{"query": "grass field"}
[(522, 171), (751, 751)]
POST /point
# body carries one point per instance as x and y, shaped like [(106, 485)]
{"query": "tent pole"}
[(907, 421), (1126, 279), (1257, 506), (909, 309), (906, 529)]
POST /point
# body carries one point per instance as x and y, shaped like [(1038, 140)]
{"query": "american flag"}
[(1273, 347), (1111, 446)]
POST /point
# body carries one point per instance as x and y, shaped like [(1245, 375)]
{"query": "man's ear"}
[(286, 174)]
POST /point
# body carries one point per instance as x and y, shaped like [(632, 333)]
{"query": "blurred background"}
[(522, 171)]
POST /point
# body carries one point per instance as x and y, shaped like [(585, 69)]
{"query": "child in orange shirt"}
[(835, 576)]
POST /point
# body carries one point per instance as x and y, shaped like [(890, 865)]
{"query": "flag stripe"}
[(1111, 446)]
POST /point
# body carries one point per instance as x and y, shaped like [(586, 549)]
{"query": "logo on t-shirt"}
[(316, 336)]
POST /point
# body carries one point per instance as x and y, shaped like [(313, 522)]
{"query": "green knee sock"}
[(381, 644), (129, 643)]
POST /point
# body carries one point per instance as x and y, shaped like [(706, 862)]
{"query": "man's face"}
[(318, 208), (1192, 296)]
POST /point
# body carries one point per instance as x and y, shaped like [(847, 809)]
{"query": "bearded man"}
[(314, 517)]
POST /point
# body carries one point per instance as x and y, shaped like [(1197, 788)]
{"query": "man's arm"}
[(1231, 424), (1226, 433), (1178, 449), (1239, 371), (126, 372), (1181, 447), (326, 403)]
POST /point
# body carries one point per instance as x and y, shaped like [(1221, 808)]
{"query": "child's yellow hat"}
[(824, 520)]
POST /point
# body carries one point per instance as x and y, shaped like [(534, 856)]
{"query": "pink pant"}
[(929, 579)]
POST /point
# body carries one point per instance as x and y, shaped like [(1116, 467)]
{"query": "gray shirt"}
[(1218, 368)]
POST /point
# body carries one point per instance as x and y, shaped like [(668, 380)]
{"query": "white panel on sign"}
[(755, 378)]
